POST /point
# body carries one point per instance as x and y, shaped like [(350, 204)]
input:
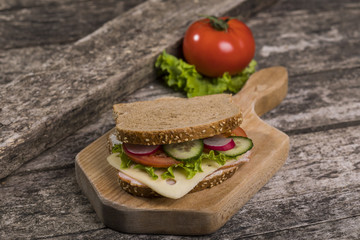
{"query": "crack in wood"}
[(323, 128)]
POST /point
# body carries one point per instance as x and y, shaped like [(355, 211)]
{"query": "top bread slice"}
[(173, 120)]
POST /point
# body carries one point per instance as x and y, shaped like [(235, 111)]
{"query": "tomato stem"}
[(218, 23)]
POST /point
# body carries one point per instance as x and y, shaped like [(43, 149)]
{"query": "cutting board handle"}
[(263, 91)]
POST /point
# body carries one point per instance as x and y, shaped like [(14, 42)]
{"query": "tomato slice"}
[(239, 132), (158, 159), (236, 132)]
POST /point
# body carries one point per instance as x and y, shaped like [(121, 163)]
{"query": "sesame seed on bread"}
[(172, 120)]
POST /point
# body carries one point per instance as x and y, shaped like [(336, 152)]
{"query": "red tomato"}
[(214, 52), (236, 132), (239, 132), (158, 159)]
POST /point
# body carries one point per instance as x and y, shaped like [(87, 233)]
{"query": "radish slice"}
[(140, 149), (219, 143)]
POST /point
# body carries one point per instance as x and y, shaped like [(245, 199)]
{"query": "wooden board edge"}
[(104, 209)]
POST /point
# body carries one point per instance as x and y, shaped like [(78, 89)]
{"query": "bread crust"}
[(181, 119), (181, 134)]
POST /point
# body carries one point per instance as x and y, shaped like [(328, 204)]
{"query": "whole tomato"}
[(218, 45)]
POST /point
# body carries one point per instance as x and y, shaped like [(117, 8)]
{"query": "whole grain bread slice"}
[(172, 120)]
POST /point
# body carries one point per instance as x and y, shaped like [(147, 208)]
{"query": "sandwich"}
[(170, 147)]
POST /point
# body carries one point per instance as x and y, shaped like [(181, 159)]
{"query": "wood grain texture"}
[(313, 196), (206, 211), (293, 201), (65, 87), (39, 23), (326, 33)]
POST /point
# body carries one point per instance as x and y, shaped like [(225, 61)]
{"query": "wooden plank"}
[(27, 23), (318, 165), (320, 36), (317, 100), (299, 211), (74, 85), (63, 154), (238, 228), (337, 229), (41, 204), (346, 228), (306, 48), (60, 196)]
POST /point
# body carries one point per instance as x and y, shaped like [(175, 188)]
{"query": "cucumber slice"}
[(184, 151), (242, 145)]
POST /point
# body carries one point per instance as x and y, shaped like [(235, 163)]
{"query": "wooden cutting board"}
[(202, 212)]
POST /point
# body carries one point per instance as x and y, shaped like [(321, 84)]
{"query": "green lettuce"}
[(182, 76), (193, 167), (148, 170), (190, 168), (125, 160)]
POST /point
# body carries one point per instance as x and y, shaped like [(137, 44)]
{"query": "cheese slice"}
[(176, 188)]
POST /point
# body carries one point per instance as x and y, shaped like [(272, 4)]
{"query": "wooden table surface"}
[(315, 195)]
